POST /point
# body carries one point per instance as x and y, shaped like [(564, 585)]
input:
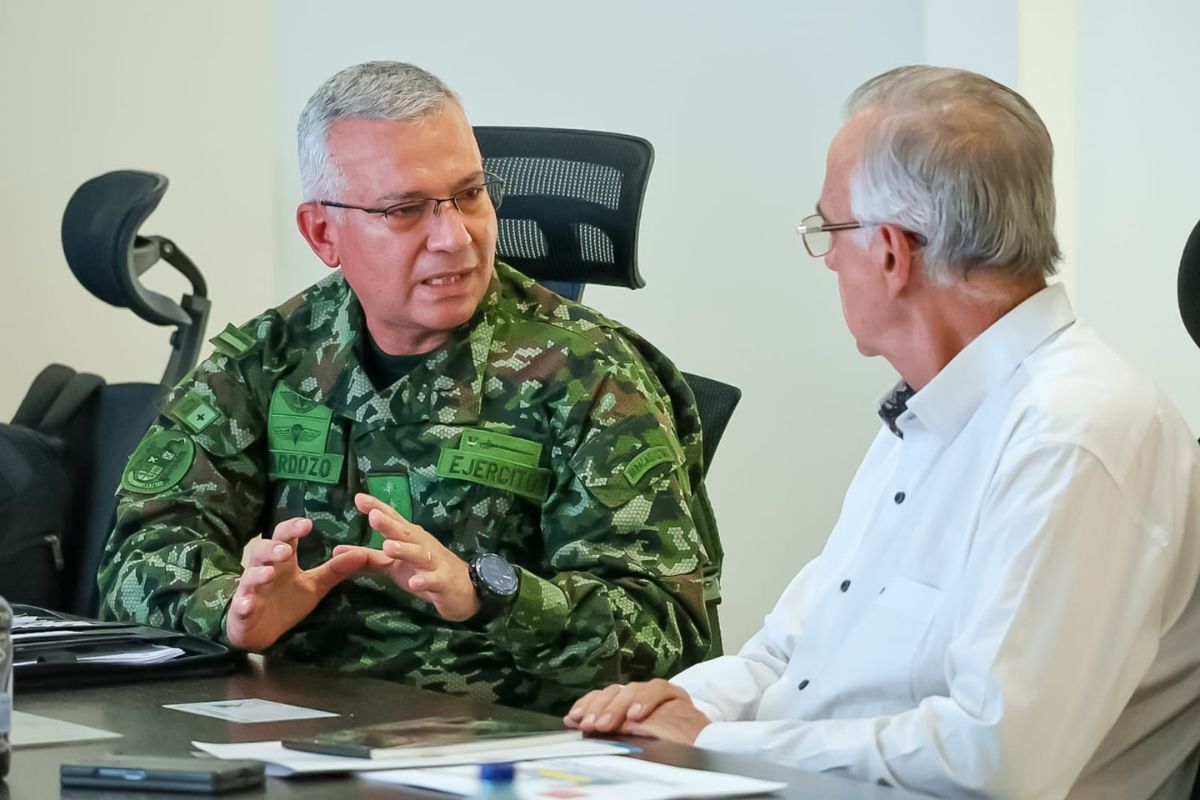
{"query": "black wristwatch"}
[(496, 582)]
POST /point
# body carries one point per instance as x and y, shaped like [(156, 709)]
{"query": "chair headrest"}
[(100, 241), (1189, 285), (572, 200)]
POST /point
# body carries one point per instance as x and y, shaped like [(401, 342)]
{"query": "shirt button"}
[(899, 498), (845, 585), (803, 683)]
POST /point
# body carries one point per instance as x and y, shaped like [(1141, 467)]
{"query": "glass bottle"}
[(6, 680)]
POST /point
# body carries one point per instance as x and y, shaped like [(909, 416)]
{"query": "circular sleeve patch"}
[(160, 462)]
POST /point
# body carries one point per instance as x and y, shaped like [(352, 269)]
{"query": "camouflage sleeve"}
[(624, 598), (190, 498)]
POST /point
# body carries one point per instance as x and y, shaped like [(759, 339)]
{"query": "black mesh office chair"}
[(572, 202), (106, 254), (101, 242)]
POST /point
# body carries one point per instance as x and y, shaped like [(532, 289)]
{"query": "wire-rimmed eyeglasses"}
[(474, 201), (818, 234)]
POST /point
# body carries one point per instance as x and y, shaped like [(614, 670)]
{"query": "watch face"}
[(497, 574)]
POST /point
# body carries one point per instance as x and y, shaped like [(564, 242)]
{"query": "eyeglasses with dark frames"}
[(475, 201)]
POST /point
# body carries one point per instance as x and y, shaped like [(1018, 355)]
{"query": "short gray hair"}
[(963, 161), (384, 90)]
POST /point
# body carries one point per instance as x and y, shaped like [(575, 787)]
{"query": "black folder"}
[(54, 660)]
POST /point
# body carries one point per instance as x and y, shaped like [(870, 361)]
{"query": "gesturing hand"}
[(416, 561), (274, 593)]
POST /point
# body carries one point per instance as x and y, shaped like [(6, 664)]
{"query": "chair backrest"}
[(1188, 293), (716, 402), (119, 419), (1188, 286), (108, 256), (572, 200)]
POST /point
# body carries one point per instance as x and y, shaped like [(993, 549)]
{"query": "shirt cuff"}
[(707, 709), (538, 614)]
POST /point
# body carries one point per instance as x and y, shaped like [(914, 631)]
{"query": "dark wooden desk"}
[(136, 712)]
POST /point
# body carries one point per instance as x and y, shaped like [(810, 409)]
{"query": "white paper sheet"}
[(22, 622), (250, 709), (30, 730), (599, 778), (282, 762), (146, 654)]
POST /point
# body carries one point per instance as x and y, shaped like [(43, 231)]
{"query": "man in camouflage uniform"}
[(464, 482)]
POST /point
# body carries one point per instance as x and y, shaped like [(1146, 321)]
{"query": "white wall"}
[(87, 87), (739, 101), (1139, 181)]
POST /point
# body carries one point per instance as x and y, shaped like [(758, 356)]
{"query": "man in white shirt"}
[(1007, 605)]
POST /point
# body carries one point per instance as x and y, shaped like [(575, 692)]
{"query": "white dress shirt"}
[(1006, 606)]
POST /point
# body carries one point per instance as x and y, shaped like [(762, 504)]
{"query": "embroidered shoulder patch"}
[(645, 461), (160, 462)]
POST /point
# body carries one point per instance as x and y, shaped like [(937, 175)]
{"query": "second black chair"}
[(106, 254)]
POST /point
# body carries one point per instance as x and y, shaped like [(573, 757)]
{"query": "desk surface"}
[(136, 712)]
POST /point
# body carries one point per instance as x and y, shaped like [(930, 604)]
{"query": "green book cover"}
[(434, 736)]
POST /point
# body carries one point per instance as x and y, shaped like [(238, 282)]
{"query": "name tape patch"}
[(499, 473), (297, 432)]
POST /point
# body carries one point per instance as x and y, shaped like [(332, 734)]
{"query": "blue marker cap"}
[(497, 773)]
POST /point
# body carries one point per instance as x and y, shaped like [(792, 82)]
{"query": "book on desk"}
[(434, 736)]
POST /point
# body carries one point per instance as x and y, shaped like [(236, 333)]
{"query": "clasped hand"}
[(274, 593)]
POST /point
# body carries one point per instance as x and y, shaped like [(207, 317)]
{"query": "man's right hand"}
[(274, 594), (620, 706)]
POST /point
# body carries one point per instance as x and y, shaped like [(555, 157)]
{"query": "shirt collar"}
[(945, 404), (453, 397)]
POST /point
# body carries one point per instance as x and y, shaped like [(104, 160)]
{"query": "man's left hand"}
[(417, 562), (673, 721)]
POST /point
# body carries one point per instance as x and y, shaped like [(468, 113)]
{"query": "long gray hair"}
[(964, 161), (384, 90)]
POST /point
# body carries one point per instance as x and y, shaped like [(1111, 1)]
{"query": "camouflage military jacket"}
[(540, 431)]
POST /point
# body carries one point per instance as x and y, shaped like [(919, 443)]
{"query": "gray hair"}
[(384, 90), (963, 161)]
